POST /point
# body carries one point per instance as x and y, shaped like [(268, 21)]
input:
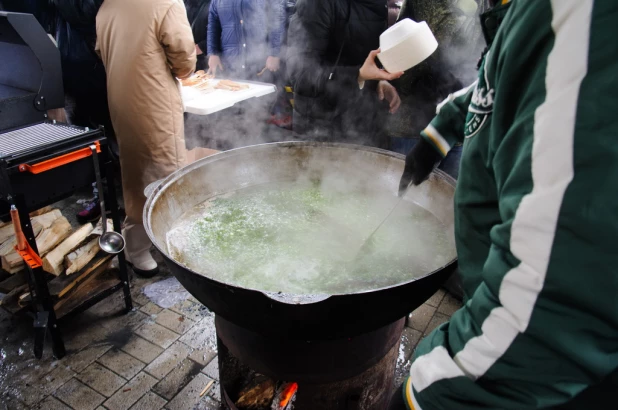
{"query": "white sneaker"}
[(137, 251), (143, 264)]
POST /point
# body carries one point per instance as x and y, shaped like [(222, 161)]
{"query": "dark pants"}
[(202, 62)]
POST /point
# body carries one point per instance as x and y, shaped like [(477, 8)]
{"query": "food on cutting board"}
[(205, 82), (231, 85), (199, 79)]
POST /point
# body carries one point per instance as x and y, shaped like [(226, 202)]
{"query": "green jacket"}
[(536, 218)]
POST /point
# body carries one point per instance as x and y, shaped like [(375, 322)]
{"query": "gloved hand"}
[(420, 161)]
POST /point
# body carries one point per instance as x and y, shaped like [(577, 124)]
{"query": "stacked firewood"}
[(71, 258)]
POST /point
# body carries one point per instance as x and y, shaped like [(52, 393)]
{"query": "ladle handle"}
[(97, 173)]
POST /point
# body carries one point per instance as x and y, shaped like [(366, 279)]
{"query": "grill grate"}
[(35, 136)]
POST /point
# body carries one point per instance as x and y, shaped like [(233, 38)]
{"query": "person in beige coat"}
[(144, 45)]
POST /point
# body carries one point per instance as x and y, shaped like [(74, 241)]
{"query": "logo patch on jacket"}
[(482, 103)]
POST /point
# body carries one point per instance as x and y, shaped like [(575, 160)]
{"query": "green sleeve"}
[(541, 329), (447, 127)]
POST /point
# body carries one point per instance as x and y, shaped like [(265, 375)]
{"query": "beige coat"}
[(144, 44)]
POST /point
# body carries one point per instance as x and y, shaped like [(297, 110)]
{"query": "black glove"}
[(420, 161)]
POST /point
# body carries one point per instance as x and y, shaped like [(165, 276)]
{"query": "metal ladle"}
[(110, 242)]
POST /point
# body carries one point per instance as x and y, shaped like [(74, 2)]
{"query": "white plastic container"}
[(405, 45)]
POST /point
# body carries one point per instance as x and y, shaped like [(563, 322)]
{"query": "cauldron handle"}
[(295, 299), (151, 188)]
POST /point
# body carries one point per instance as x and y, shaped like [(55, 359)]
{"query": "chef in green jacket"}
[(536, 217)]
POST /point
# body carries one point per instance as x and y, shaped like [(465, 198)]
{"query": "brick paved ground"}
[(151, 358)]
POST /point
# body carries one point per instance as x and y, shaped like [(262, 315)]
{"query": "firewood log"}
[(52, 262), (46, 241), (46, 220), (76, 260), (94, 269), (98, 230), (9, 245), (41, 211), (52, 236)]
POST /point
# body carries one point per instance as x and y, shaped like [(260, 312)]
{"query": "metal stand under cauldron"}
[(344, 374)]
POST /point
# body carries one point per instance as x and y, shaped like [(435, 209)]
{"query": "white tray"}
[(208, 102)]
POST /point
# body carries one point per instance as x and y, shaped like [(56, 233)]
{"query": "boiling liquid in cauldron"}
[(303, 239)]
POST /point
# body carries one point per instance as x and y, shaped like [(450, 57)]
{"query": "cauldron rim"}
[(285, 298)]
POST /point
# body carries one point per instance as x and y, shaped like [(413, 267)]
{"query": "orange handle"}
[(19, 234), (59, 161)]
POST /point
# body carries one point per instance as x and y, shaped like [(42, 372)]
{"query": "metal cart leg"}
[(113, 205), (45, 318)]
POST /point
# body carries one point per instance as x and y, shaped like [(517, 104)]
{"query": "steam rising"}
[(302, 235)]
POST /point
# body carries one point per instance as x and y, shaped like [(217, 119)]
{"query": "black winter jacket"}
[(197, 13), (317, 32), (76, 32), (83, 72), (39, 8)]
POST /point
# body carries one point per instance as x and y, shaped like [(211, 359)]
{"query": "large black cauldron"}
[(300, 317)]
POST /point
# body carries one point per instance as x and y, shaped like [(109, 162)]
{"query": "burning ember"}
[(263, 393), (287, 394)]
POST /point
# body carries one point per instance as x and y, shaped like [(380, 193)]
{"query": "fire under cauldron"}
[(341, 349)]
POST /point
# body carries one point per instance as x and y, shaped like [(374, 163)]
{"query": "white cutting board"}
[(208, 102)]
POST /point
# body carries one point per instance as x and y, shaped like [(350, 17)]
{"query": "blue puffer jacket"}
[(245, 32)]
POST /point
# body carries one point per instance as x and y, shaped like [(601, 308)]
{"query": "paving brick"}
[(168, 360), (420, 318), (409, 340), (190, 395), (436, 321), (401, 373), (79, 396), (203, 356), (131, 321), (81, 337), (436, 298), (177, 379), (157, 334), (84, 358), (202, 335), (192, 310), (207, 403), (142, 349), (151, 309), (50, 403), (112, 306), (149, 401), (130, 392), (10, 403), (215, 392), (121, 363), (193, 299), (46, 385), (30, 371), (212, 369), (137, 294), (101, 379), (173, 321), (449, 305)]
